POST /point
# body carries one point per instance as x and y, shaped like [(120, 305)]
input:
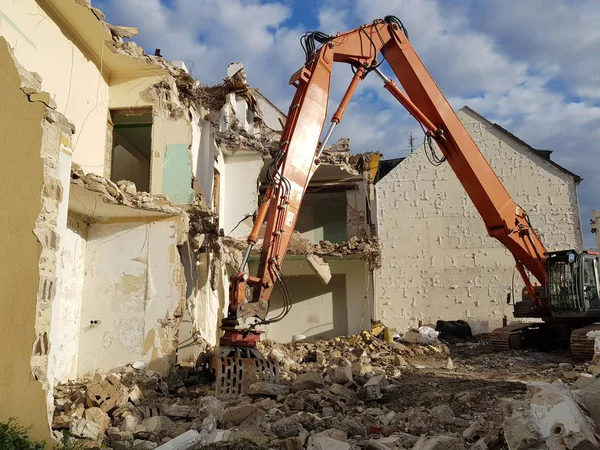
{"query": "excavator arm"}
[(299, 150)]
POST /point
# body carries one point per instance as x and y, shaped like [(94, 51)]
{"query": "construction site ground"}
[(348, 393)]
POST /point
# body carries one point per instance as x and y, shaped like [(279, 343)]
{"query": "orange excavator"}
[(565, 296)]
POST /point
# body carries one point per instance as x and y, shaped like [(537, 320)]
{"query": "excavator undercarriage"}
[(547, 336)]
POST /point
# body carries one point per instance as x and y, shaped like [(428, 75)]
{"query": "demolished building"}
[(142, 178), (137, 187)]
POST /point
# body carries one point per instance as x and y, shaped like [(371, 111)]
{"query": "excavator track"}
[(581, 346), (508, 337)]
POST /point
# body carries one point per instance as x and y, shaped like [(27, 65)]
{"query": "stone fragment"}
[(353, 427), (135, 395), (85, 429), (342, 391), (268, 389), (287, 427), (443, 414), (316, 442), (61, 422), (183, 441), (116, 435), (334, 433), (238, 414), (473, 432), (320, 267), (559, 418), (97, 416), (159, 425), (139, 365), (140, 444), (178, 411), (320, 357), (449, 364), (520, 431), (218, 436), (359, 368), (373, 387), (107, 395), (276, 355), (565, 367), (308, 380), (399, 361), (341, 374), (441, 442)]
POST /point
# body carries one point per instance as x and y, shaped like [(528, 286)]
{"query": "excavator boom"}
[(364, 49)]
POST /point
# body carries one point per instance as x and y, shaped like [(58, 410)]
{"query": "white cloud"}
[(504, 58)]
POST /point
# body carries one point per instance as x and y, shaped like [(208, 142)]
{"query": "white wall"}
[(242, 171), (203, 156), (344, 306), (133, 282), (437, 260), (66, 308), (74, 81)]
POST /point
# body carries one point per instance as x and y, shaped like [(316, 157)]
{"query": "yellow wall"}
[(20, 193)]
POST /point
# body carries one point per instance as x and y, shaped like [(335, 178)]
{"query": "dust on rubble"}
[(356, 392)]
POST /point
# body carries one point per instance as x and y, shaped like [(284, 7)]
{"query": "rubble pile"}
[(125, 193), (359, 392)]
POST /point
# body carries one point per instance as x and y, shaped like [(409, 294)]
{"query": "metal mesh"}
[(235, 375)]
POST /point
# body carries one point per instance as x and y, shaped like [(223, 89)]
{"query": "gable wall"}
[(437, 260)]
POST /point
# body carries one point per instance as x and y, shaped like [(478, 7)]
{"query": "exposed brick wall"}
[(437, 260)]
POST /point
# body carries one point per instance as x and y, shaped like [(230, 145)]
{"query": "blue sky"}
[(530, 65)]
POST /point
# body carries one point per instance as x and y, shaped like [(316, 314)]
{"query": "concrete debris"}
[(320, 267), (123, 193), (341, 394)]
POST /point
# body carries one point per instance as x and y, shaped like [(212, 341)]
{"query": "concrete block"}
[(320, 267), (373, 387), (183, 441)]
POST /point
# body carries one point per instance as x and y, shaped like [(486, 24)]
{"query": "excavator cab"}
[(573, 284)]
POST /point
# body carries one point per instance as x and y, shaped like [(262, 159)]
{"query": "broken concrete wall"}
[(342, 307), (73, 79), (132, 296), (241, 178), (324, 216), (171, 158), (29, 215), (437, 259), (66, 312)]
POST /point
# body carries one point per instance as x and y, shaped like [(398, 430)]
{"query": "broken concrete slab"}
[(374, 386), (268, 389), (85, 429), (320, 267), (183, 441), (318, 442), (308, 380), (107, 395)]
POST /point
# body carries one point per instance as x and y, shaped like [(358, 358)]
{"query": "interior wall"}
[(132, 288), (21, 396), (241, 193), (171, 160), (323, 310), (67, 306), (72, 79), (323, 216), (127, 166), (319, 311)]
